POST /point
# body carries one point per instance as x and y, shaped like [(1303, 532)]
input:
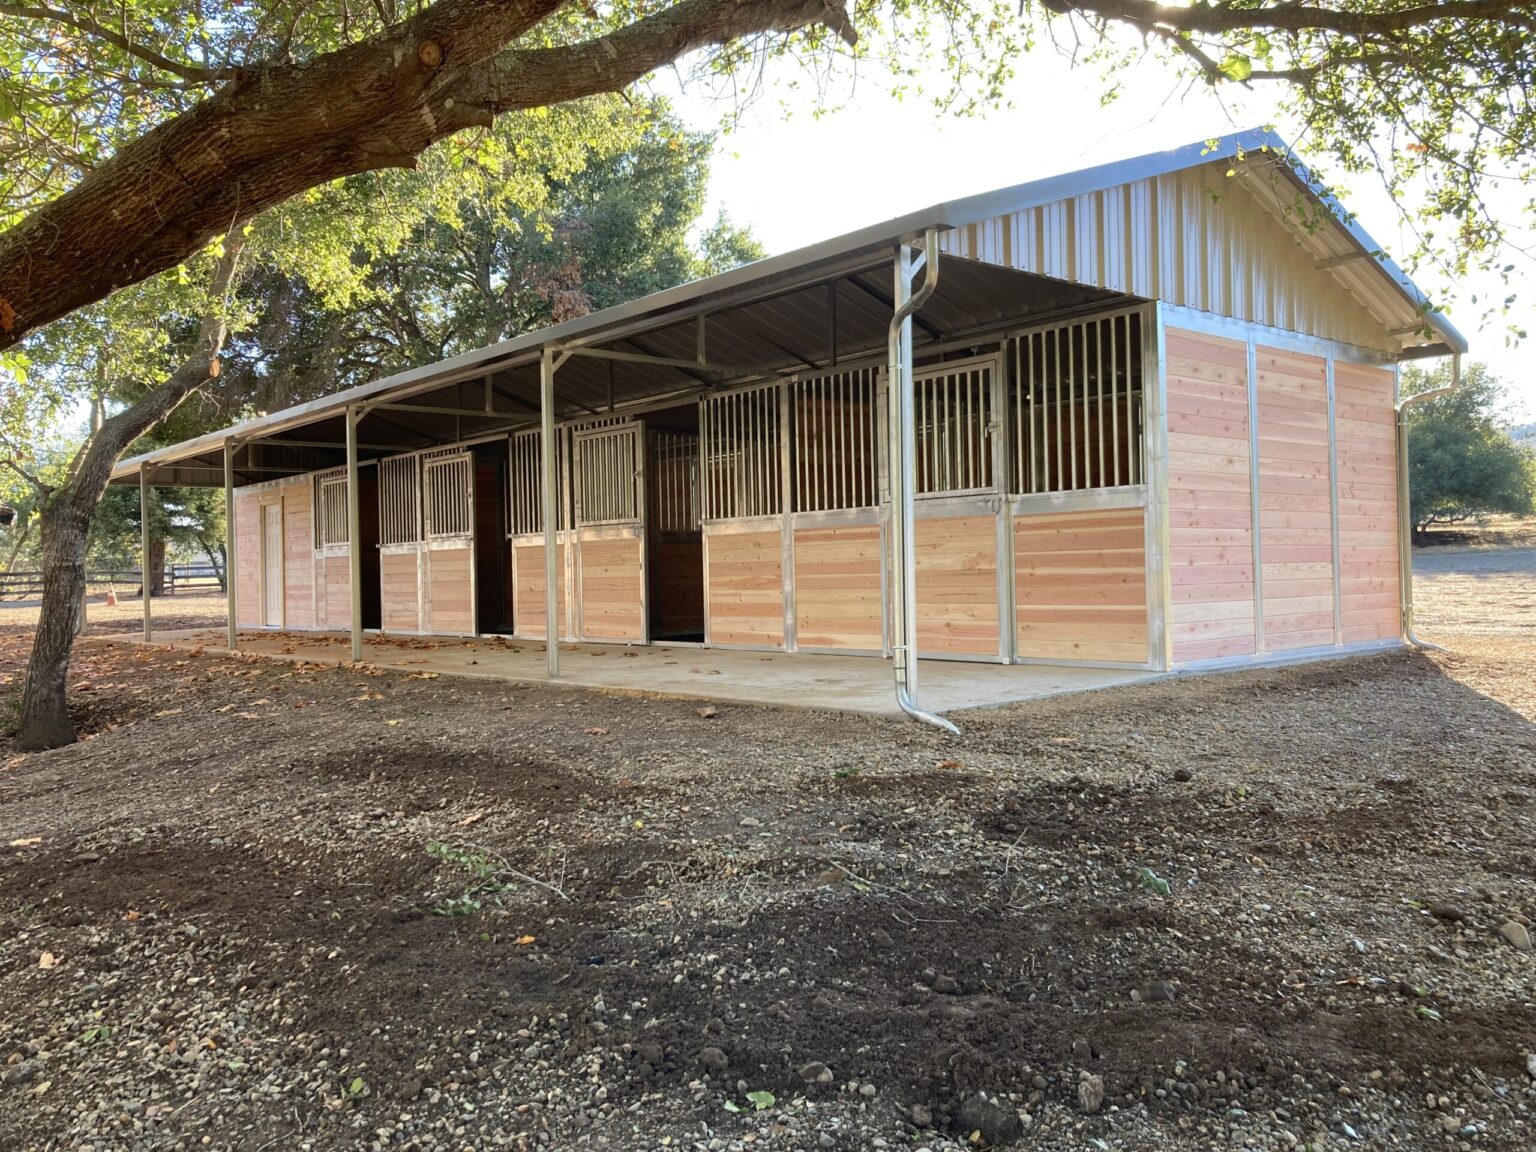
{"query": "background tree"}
[(1462, 464)]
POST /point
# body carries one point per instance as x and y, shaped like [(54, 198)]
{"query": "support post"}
[(548, 494), (144, 544), (354, 537), (231, 560), (903, 475)]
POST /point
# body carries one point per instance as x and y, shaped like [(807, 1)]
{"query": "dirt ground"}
[(264, 906)]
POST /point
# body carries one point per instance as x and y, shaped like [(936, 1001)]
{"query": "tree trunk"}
[(156, 566), (45, 719), (65, 517)]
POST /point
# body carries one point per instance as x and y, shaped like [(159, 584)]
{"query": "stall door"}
[(272, 565), (448, 560), (610, 538)]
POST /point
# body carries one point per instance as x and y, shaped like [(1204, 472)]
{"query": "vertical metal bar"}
[(144, 547), (1028, 381), (1154, 376), (354, 537), (1060, 421), (1072, 363), (547, 448), (1098, 412), (231, 557), (1114, 397)]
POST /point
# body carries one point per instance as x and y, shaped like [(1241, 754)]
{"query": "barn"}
[(1139, 416)]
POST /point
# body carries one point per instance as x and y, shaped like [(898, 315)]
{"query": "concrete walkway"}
[(803, 680)]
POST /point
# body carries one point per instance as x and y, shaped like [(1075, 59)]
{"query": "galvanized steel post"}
[(231, 560), (547, 492), (144, 544), (354, 537)]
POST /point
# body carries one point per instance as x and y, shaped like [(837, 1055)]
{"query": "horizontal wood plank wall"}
[(1209, 497), (1295, 515), (450, 591), (528, 589), (613, 589), (248, 558), (746, 587), (400, 591), (298, 555), (336, 592), (838, 600), (957, 609), (1367, 448), (1080, 585)]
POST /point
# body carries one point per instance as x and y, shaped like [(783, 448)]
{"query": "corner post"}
[(354, 537), (144, 543), (231, 558), (547, 493)]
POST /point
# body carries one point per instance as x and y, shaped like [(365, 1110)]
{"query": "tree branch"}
[(193, 72)]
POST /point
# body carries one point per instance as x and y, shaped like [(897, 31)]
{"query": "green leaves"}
[(1237, 67)]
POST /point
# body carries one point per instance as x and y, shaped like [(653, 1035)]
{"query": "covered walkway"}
[(801, 680)]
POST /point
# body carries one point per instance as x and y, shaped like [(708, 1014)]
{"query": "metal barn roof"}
[(799, 311)]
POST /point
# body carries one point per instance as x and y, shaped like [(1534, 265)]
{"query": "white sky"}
[(797, 179)]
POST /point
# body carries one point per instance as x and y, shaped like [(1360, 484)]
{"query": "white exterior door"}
[(272, 565)]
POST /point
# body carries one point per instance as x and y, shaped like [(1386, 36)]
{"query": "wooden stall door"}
[(610, 537), (272, 565)]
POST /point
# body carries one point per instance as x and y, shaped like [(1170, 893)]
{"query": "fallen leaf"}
[(708, 712), (596, 731), (526, 939), (47, 960), (423, 676), (26, 842), (167, 712), (472, 818), (949, 764), (392, 723), (131, 916)]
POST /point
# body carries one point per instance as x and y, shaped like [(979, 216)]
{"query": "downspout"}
[(903, 466), (1404, 516)]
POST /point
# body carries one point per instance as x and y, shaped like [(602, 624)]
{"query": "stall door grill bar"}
[(1077, 406), (835, 441), (675, 490), (400, 500), (607, 475), (330, 497), (953, 429), (447, 496), (740, 445)]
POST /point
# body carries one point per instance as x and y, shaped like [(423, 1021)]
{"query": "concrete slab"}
[(802, 680)]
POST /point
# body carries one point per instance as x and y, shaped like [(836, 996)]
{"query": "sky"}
[(795, 179)]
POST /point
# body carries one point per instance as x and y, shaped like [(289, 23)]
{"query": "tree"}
[(1461, 464), (137, 130), (134, 133)]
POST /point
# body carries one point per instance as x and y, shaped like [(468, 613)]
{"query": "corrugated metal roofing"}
[(776, 315)]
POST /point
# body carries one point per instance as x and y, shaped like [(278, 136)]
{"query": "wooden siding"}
[(1080, 585), (298, 555), (613, 588), (838, 588), (746, 587), (957, 609), (335, 595), (399, 583), (450, 591), (528, 589), (1209, 497), (248, 558), (1367, 454), (1295, 517)]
